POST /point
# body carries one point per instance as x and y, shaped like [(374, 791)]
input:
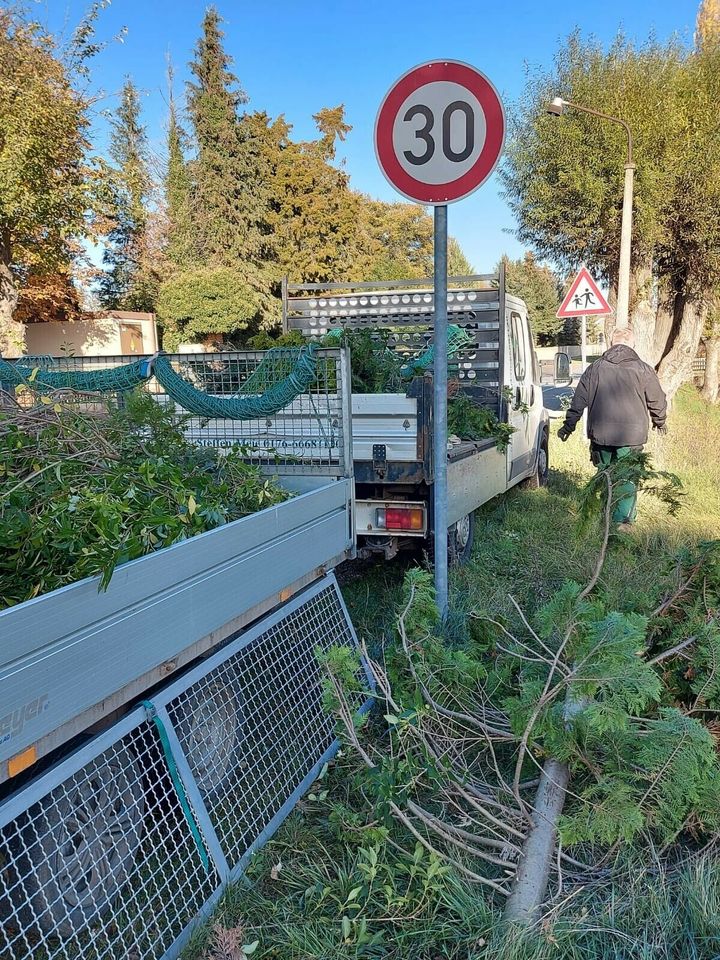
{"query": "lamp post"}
[(557, 107)]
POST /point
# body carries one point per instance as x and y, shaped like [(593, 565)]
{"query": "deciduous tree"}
[(46, 184), (563, 178)]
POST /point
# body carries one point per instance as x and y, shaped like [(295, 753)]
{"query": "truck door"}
[(521, 396)]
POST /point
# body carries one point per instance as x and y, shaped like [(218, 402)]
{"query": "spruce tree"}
[(180, 234), (231, 200), (128, 283)]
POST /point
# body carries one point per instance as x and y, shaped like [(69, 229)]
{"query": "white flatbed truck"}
[(392, 435)]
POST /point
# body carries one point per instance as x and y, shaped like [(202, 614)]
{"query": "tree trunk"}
[(663, 330), (676, 366), (610, 318), (12, 334), (643, 314), (711, 387), (531, 879)]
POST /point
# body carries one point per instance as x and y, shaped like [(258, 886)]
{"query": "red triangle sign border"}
[(566, 310)]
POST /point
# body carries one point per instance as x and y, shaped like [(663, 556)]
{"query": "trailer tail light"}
[(401, 518)]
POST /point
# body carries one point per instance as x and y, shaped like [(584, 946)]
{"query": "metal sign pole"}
[(440, 410), (583, 364)]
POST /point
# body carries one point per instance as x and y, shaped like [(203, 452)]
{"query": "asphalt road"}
[(553, 396)]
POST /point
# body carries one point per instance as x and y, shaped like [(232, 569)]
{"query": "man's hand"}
[(662, 429), (563, 433)]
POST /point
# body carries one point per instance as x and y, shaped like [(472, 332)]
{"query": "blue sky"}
[(296, 57)]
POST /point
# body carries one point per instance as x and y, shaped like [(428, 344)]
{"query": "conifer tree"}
[(128, 283), (230, 203), (179, 249)]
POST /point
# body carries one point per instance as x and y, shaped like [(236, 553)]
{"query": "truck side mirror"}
[(563, 376)]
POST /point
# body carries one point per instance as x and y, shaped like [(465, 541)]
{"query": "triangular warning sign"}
[(583, 299)]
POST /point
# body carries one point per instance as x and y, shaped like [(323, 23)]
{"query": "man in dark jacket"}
[(619, 391)]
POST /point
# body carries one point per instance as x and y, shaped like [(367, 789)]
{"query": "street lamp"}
[(557, 107)]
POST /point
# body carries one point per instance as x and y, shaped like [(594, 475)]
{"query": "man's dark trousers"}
[(626, 505)]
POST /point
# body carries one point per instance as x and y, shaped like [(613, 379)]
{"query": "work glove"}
[(564, 432), (662, 430)]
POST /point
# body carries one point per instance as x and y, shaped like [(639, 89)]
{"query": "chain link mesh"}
[(278, 728)]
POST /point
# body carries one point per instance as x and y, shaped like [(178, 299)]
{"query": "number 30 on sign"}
[(439, 132)]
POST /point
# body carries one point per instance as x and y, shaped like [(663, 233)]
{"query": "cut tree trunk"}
[(12, 333), (676, 366), (711, 387), (531, 879)]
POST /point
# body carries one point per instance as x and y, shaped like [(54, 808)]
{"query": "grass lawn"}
[(329, 888)]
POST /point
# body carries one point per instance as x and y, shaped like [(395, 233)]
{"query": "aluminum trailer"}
[(392, 436), (213, 637), (71, 659)]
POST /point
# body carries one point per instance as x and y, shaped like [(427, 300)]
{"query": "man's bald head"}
[(624, 336)]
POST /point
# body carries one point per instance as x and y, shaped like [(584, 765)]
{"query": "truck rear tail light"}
[(400, 518)]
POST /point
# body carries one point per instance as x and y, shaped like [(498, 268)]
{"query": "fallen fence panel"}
[(124, 846)]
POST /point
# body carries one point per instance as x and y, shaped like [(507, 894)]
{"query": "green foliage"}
[(458, 264), (209, 300), (225, 194), (269, 341), (84, 492), (315, 213), (375, 367), (636, 468), (538, 287), (181, 240), (47, 186), (563, 178), (130, 279), (395, 241), (469, 421)]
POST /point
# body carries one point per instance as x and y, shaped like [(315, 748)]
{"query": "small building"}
[(109, 334)]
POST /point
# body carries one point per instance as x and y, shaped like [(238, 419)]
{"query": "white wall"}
[(97, 337)]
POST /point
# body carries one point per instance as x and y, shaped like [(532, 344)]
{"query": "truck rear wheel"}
[(78, 850), (461, 536)]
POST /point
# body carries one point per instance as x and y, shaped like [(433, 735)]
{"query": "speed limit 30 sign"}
[(439, 132)]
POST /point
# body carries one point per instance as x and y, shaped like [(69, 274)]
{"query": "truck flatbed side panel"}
[(66, 651), (473, 480)]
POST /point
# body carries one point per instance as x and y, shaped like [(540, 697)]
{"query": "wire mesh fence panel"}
[(118, 850), (102, 864), (255, 727), (308, 436)]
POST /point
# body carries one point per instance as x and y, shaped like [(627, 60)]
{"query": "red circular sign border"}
[(467, 76)]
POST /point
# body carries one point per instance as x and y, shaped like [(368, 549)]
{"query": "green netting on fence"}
[(457, 339), (277, 364), (300, 379), (276, 386), (84, 381), (280, 377)]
